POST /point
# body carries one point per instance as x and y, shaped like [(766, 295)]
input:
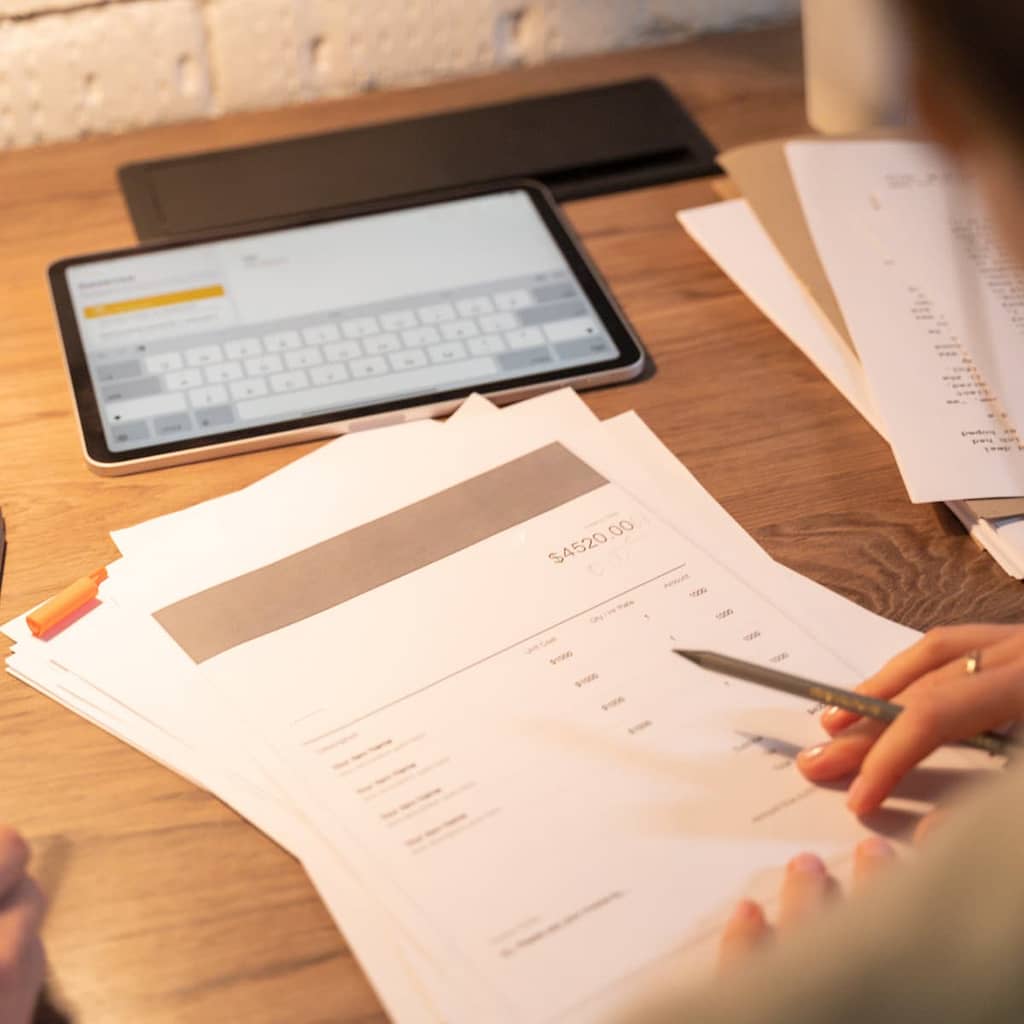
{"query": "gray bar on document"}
[(119, 371), (360, 560), (525, 358), (142, 388), (533, 315)]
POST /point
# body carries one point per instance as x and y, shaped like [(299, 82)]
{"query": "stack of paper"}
[(435, 663), (878, 261)]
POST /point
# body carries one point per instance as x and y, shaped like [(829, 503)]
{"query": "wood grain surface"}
[(165, 906)]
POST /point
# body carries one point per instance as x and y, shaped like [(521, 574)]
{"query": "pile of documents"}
[(877, 259), (434, 662)]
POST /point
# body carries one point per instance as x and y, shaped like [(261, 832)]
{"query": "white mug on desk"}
[(854, 66)]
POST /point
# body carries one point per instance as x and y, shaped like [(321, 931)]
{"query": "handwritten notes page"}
[(935, 307)]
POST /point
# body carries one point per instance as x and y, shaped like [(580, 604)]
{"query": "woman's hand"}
[(22, 961), (806, 890), (944, 703)]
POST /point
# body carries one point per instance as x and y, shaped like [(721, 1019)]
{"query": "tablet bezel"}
[(628, 364)]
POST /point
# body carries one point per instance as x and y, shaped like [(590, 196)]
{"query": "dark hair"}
[(979, 41)]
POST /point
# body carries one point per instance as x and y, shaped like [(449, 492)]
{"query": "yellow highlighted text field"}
[(213, 291)]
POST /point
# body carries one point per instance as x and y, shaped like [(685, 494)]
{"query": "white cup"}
[(854, 65)]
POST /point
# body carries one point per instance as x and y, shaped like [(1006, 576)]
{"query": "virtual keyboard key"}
[(360, 327), (119, 371), (172, 425), (583, 348), (477, 306), (528, 359), (421, 336), (486, 345), (371, 366), (222, 373), (554, 292), (243, 348), (380, 344), (294, 380), (513, 300), (458, 329), (320, 334), (139, 388), (552, 311), (339, 350), (216, 416), (255, 387), (329, 374), (262, 365), (410, 359), (165, 362), (131, 432), (570, 330), (498, 322), (203, 398), (203, 355), (437, 314), (303, 358), (181, 380), (447, 352), (282, 341), (402, 320), (525, 337), (140, 408)]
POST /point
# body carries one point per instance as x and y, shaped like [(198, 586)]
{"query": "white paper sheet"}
[(462, 740), (730, 233), (934, 308), (734, 238), (414, 979)]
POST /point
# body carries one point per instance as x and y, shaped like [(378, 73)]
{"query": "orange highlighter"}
[(63, 605)]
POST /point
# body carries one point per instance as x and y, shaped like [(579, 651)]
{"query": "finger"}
[(806, 888), (936, 648), (23, 910), (933, 717), (746, 930), (929, 825), (14, 855), (22, 974), (841, 756), (871, 857)]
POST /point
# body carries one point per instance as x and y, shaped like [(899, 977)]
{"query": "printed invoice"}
[(486, 721)]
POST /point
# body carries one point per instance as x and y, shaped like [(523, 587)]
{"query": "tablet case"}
[(582, 143)]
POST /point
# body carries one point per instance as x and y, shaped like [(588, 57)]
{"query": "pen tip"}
[(688, 655)]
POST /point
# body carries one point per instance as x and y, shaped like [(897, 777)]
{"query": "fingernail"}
[(807, 864), (746, 910), (856, 798), (829, 714), (813, 753)]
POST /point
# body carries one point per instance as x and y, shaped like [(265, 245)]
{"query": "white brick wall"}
[(70, 68)]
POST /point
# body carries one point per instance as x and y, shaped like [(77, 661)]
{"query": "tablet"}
[(193, 350)]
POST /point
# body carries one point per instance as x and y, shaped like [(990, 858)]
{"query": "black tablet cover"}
[(583, 143)]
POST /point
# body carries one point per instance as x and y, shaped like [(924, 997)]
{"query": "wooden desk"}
[(167, 907)]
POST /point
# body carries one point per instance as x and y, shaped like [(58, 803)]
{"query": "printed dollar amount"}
[(621, 528)]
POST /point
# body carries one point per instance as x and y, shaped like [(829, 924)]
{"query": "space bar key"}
[(355, 392)]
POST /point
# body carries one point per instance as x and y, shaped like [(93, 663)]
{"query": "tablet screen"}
[(222, 336)]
